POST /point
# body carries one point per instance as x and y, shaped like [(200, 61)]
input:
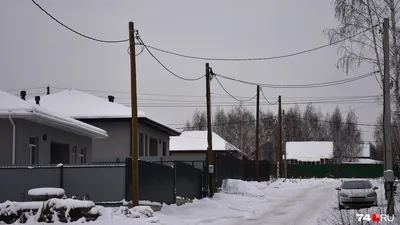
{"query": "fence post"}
[(128, 178), (62, 176), (174, 193)]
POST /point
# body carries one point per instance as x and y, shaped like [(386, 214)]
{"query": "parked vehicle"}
[(356, 194)]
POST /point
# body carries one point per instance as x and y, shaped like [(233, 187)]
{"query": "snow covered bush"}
[(65, 210)]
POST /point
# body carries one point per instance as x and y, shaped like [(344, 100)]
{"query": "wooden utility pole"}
[(257, 135), (387, 119), (134, 123), (279, 155), (284, 141), (210, 155)]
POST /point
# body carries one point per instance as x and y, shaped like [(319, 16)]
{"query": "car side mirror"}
[(337, 189), (375, 188)]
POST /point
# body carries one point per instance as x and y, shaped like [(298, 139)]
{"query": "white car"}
[(356, 194)]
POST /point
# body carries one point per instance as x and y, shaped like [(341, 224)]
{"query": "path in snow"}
[(281, 203)]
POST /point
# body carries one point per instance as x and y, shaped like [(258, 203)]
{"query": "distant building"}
[(191, 143), (32, 135), (115, 118), (365, 157), (309, 152)]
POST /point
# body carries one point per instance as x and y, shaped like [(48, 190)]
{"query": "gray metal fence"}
[(16, 181), (100, 183)]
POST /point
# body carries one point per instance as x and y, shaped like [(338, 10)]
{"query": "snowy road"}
[(280, 203)]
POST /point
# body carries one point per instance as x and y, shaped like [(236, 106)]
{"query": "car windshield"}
[(359, 184)]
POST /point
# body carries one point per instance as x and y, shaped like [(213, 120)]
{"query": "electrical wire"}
[(260, 58), (262, 92), (159, 62), (157, 105), (313, 85), (223, 88), (215, 95), (32, 88), (272, 119), (76, 32), (140, 52)]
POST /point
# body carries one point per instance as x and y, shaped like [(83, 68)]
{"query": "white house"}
[(31, 135), (115, 118), (313, 152), (191, 143)]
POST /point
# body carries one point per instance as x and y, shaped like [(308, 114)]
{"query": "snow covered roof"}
[(80, 105), (11, 105), (309, 150), (364, 161), (197, 141)]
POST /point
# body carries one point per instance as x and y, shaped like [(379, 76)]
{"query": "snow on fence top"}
[(46, 191), (11, 105), (197, 141), (80, 105), (309, 151)]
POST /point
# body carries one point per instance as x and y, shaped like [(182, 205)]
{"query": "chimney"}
[(23, 95), (37, 100), (111, 98)]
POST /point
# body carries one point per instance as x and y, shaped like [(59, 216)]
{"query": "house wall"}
[(26, 129), (30, 129), (6, 134), (117, 146)]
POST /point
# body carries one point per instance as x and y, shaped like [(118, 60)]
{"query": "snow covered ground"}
[(297, 202)]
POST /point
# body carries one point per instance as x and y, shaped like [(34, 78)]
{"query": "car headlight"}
[(372, 194), (343, 195)]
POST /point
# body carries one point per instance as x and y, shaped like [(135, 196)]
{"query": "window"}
[(164, 148), (356, 184), (33, 150), (74, 155), (82, 156), (141, 144)]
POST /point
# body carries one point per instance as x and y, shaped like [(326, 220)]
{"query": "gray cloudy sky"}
[(36, 51)]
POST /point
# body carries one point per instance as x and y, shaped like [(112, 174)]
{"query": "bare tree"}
[(199, 120), (241, 129), (356, 16), (352, 137), (336, 128), (293, 124), (221, 126), (268, 135)]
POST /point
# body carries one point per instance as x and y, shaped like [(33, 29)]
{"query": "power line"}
[(166, 68), (223, 88), (157, 105), (25, 89), (260, 58), (370, 124), (262, 92), (314, 85), (76, 32), (215, 95), (170, 101)]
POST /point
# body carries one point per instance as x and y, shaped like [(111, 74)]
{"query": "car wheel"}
[(341, 207)]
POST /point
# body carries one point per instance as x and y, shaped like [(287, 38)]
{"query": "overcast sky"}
[(35, 51)]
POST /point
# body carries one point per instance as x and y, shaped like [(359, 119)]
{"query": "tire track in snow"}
[(292, 210)]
